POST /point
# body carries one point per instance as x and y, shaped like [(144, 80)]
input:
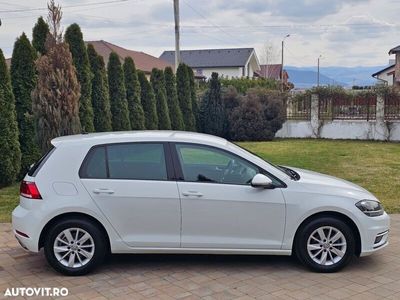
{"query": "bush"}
[(185, 97), (259, 116), (244, 84), (175, 112), (148, 102), (158, 83)]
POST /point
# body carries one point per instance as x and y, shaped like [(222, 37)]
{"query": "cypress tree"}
[(185, 97), (158, 84), (39, 35), (10, 154), (193, 97), (175, 112), (136, 113), (56, 95), (148, 102), (23, 79), (117, 92), (100, 97), (212, 113), (74, 38)]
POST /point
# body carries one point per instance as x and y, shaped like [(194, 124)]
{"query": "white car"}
[(183, 192)]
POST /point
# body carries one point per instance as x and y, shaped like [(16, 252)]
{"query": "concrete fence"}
[(376, 129)]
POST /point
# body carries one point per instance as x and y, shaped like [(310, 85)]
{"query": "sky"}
[(343, 32)]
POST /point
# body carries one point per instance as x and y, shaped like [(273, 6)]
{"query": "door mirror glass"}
[(262, 181)]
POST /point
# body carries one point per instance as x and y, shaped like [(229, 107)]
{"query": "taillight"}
[(29, 189)]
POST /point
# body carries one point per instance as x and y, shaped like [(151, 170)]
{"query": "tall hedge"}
[(10, 154), (136, 113), (39, 35), (74, 38), (193, 97), (212, 113), (175, 113), (100, 97), (148, 102), (117, 92), (185, 97), (158, 84), (23, 79)]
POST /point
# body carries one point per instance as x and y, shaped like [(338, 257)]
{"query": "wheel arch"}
[(69, 215), (333, 214)]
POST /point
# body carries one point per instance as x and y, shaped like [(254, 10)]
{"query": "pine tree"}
[(175, 112), (212, 113), (23, 79), (10, 154), (56, 96), (148, 102), (117, 92), (136, 113), (39, 35), (193, 97), (100, 97), (158, 84), (74, 38), (185, 97)]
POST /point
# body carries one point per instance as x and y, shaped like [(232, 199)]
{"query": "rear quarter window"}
[(34, 170)]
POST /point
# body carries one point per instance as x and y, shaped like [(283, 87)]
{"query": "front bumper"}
[(374, 234)]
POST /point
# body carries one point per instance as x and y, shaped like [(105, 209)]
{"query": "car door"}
[(220, 208), (131, 184)]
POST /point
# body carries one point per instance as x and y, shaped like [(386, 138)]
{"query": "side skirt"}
[(204, 251)]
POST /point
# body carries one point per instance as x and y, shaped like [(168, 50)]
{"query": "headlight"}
[(370, 207)]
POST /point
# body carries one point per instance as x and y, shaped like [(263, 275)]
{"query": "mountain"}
[(306, 77)]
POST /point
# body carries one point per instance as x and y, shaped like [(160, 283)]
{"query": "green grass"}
[(373, 165)]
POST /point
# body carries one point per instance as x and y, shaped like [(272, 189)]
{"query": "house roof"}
[(270, 71), (235, 57), (384, 70), (143, 61), (394, 50)]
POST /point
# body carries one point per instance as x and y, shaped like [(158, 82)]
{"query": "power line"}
[(67, 6)]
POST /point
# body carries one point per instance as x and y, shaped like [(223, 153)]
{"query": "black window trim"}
[(40, 163), (167, 156), (180, 176)]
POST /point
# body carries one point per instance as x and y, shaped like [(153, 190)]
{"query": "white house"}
[(386, 75), (236, 62)]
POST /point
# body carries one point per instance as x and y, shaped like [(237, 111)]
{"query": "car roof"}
[(138, 136)]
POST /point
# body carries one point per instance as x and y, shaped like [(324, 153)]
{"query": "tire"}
[(325, 244), (75, 256)]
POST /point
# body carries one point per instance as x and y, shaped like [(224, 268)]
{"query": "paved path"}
[(207, 276)]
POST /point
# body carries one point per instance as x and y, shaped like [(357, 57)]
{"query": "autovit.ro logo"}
[(36, 292)]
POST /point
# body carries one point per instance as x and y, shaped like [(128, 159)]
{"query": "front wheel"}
[(325, 244), (75, 246)]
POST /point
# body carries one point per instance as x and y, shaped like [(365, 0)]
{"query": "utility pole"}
[(283, 46), (319, 57), (176, 17)]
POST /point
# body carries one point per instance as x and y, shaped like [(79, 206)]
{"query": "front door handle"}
[(192, 193), (103, 191)]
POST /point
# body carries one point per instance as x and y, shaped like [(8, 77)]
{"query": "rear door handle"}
[(103, 191), (192, 193)]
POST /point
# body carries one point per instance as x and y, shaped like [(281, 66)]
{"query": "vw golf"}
[(183, 192)]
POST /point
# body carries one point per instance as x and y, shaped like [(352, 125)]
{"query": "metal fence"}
[(298, 107), (392, 106)]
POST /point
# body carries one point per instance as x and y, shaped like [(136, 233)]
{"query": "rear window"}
[(136, 161), (34, 170)]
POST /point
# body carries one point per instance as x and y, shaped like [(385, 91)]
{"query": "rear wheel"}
[(75, 246), (325, 244)]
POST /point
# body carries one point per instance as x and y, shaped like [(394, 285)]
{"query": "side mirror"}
[(262, 181)]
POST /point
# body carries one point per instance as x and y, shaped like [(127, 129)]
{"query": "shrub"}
[(100, 97), (185, 97), (259, 116), (39, 35), (117, 92), (158, 84), (148, 102), (193, 98), (175, 112), (23, 79), (243, 84), (10, 154), (136, 113)]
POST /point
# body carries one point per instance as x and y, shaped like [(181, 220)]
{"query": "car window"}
[(36, 166), (207, 164), (95, 164), (142, 161)]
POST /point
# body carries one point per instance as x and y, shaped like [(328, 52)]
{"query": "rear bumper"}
[(375, 234), (24, 226)]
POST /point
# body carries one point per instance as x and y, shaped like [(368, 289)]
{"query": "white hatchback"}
[(183, 192)]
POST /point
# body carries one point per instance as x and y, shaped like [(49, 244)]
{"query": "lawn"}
[(373, 165)]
